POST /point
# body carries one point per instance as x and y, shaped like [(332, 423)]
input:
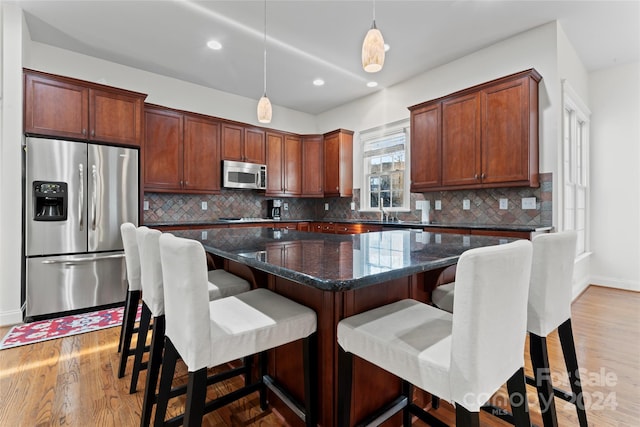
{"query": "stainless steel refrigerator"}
[(76, 195)]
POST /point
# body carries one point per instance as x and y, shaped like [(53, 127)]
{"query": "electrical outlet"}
[(285, 205), (326, 206), (504, 203), (438, 238), (438, 205), (466, 240), (204, 206), (528, 203), (466, 204), (419, 205), (145, 205), (203, 235), (353, 206)]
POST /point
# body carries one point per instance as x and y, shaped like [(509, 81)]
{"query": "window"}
[(386, 167), (575, 162)]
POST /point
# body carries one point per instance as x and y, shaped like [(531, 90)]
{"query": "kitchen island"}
[(337, 276)]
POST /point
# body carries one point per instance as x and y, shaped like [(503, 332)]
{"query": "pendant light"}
[(373, 47), (264, 105)]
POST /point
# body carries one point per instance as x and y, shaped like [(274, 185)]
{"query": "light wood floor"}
[(73, 381)]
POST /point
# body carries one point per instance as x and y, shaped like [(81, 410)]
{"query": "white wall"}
[(10, 163), (614, 99), (532, 49)]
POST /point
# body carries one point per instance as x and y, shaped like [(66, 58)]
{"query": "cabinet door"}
[(115, 117), (332, 165), (162, 150), (292, 165), (505, 132), (426, 147), (461, 141), (55, 107), (254, 146), (231, 141), (275, 183), (201, 155), (312, 166)]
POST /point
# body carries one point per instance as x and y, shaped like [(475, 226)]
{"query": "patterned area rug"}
[(43, 330)]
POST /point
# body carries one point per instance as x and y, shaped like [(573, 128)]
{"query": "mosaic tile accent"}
[(242, 203)]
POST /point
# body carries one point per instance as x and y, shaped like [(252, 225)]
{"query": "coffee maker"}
[(274, 208)]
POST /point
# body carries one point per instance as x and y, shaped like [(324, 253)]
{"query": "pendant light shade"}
[(373, 48), (264, 110), (264, 105)]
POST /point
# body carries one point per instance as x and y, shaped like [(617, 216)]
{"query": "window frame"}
[(378, 134)]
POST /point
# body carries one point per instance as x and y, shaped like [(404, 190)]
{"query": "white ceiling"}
[(318, 39)]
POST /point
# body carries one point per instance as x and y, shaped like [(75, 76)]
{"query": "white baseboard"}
[(578, 289), (8, 318), (614, 283)]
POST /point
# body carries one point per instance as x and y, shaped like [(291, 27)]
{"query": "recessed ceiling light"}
[(386, 47), (372, 84), (318, 82), (214, 44)]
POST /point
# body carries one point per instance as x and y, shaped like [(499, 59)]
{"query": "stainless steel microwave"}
[(244, 175)]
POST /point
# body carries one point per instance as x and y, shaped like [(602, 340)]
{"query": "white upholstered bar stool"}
[(549, 308), (456, 357), (134, 291), (153, 310), (206, 334)]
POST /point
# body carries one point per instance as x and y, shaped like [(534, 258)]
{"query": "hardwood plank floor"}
[(73, 381)]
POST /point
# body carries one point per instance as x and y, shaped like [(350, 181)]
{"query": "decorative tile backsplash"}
[(484, 206)]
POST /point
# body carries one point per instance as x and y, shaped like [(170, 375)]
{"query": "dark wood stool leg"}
[(196, 396), (310, 366), (247, 363), (565, 331), (145, 320), (464, 418), (407, 391), (345, 371), (166, 378), (126, 332), (153, 369), (517, 389), (263, 387), (542, 375)]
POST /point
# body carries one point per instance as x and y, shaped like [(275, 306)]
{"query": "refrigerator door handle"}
[(81, 197), (82, 260), (94, 196)]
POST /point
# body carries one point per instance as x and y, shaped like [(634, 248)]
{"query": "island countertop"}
[(335, 262)]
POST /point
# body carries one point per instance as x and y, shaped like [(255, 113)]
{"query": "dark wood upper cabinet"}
[(181, 152), (284, 164), (485, 136), (69, 108), (338, 163), (243, 143), (312, 166)]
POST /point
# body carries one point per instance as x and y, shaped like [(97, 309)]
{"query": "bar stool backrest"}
[(184, 267), (489, 320), (551, 279), (131, 255), (151, 270)]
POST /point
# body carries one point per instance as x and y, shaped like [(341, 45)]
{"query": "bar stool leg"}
[(517, 389), (464, 418), (310, 363), (166, 379), (345, 371), (196, 396), (565, 331), (126, 332), (145, 320), (153, 369), (542, 375), (263, 387), (407, 390)]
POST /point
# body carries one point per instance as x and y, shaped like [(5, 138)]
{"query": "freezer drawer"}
[(63, 283)]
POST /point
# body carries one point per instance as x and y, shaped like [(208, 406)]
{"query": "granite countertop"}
[(394, 224), (338, 262)]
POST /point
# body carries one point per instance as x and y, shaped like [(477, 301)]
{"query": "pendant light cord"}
[(265, 48)]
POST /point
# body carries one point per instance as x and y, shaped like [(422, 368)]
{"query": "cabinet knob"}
[(483, 176), (337, 188), (93, 132), (475, 176), (84, 131)]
